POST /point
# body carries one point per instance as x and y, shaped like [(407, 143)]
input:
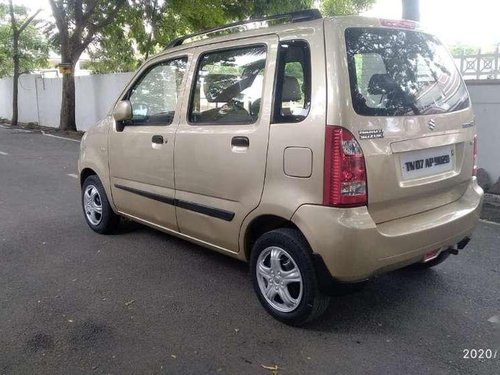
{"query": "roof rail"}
[(292, 17)]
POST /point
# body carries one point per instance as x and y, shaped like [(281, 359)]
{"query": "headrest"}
[(291, 90), (215, 84), (381, 84)]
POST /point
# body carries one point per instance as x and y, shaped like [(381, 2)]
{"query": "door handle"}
[(240, 142), (157, 139)]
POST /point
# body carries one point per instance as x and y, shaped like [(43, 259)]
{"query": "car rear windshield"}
[(400, 72)]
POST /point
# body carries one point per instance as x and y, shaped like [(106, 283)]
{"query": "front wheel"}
[(284, 278), (98, 213)]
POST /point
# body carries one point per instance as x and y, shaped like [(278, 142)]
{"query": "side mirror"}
[(122, 111)]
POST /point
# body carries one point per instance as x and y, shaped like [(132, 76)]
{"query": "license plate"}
[(428, 162)]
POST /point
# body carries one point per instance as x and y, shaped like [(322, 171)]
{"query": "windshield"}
[(398, 72)]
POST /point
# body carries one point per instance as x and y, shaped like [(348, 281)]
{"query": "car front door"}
[(221, 145), (141, 149)]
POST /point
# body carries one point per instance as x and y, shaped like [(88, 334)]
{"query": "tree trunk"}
[(411, 10), (77, 23), (148, 45), (16, 34), (68, 117), (15, 79)]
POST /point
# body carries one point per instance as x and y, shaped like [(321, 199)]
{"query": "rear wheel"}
[(284, 278), (96, 208)]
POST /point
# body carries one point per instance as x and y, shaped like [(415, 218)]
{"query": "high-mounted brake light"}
[(344, 177), (474, 156), (404, 24)]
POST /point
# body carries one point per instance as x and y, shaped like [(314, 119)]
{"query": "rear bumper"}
[(353, 247)]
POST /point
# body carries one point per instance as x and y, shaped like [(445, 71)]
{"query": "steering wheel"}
[(232, 105)]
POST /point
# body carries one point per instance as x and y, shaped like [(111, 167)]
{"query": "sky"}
[(475, 22)]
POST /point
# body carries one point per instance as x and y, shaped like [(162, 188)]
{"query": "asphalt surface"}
[(143, 302), (491, 208)]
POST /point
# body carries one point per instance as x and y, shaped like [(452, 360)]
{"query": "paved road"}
[(142, 302)]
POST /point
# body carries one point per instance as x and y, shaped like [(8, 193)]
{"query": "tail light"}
[(344, 182), (474, 156)]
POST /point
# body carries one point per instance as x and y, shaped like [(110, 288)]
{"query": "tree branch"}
[(28, 21), (79, 47), (60, 16), (90, 11), (82, 19), (78, 7), (110, 18), (12, 17)]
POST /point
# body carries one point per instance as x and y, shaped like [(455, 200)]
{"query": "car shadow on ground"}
[(375, 304), (380, 301), (131, 227), (128, 226)]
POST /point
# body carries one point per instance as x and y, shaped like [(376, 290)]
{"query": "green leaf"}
[(33, 44)]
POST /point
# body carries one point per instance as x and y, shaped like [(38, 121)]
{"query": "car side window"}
[(293, 88), (154, 96), (228, 86)]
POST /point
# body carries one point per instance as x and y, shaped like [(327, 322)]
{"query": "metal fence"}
[(480, 65)]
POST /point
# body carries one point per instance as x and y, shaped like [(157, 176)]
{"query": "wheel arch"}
[(90, 170), (263, 224), (86, 172)]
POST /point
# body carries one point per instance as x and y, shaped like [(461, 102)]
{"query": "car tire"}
[(284, 277), (96, 208)]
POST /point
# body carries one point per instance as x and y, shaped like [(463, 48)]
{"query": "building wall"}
[(95, 96), (485, 96), (40, 102), (40, 98), (6, 98)]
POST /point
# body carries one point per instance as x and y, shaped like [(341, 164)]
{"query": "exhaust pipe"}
[(458, 246), (463, 243), (453, 250)]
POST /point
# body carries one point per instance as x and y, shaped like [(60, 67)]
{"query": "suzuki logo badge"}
[(431, 125)]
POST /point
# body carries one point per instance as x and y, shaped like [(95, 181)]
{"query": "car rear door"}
[(221, 143)]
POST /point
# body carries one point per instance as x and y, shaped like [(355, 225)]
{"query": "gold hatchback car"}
[(321, 150)]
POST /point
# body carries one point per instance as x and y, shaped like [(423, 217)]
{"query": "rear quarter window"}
[(293, 84)]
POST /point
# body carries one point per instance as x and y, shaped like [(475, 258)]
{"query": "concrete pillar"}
[(411, 10)]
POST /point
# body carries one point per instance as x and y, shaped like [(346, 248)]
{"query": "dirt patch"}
[(47, 130)]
